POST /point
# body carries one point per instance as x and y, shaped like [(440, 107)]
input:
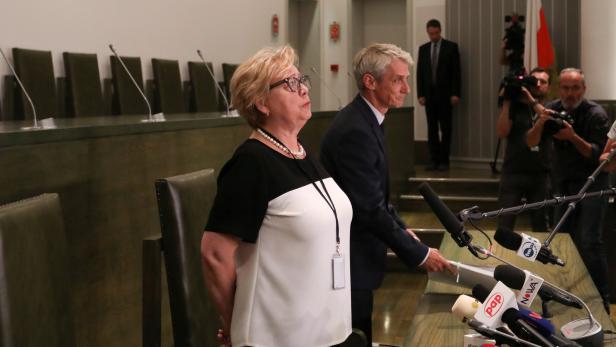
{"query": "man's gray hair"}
[(574, 70), (375, 58)]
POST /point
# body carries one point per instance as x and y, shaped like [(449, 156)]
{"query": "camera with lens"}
[(513, 85), (552, 126)]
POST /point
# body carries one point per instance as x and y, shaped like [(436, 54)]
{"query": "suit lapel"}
[(370, 119)]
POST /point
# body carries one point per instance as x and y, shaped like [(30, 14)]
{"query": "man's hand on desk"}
[(437, 263)]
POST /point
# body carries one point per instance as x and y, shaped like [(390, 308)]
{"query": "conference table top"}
[(435, 325)]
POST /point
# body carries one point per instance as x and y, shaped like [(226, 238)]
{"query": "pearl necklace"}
[(282, 147)]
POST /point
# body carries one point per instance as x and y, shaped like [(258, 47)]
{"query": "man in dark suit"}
[(353, 152), (438, 89)]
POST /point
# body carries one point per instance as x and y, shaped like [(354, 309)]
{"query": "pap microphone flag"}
[(538, 49)]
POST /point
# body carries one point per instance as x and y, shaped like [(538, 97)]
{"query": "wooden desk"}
[(434, 325)]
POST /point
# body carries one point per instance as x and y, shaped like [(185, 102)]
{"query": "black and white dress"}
[(284, 293)]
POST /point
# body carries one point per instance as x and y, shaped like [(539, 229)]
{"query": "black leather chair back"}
[(85, 95), (168, 94), (126, 98), (204, 94), (35, 69), (184, 203), (35, 307)]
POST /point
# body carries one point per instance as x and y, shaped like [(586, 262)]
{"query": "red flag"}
[(538, 49)]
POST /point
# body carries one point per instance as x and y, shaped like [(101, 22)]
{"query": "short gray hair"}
[(573, 70), (375, 58)]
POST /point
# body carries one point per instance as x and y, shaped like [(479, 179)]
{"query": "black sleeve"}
[(355, 156), (241, 200), (597, 134)]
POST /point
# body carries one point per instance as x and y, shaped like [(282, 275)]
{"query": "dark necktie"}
[(434, 61)]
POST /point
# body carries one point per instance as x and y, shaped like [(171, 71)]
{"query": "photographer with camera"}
[(579, 129), (525, 170)]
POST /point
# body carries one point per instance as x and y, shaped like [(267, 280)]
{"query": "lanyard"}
[(328, 199)]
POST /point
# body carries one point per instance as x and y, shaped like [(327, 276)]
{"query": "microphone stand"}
[(228, 114), (35, 125), (582, 192), (473, 213), (159, 117), (313, 69)]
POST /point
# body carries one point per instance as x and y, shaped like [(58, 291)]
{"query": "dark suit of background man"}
[(353, 152), (438, 89)]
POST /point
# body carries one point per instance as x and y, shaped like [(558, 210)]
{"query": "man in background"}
[(438, 89)]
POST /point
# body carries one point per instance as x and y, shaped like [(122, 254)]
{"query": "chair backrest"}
[(85, 95), (126, 98), (35, 307), (35, 69), (168, 94), (183, 203), (204, 94), (227, 74)]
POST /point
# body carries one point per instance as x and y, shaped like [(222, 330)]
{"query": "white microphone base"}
[(159, 117), (582, 332)]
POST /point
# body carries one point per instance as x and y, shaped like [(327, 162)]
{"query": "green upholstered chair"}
[(204, 94), (168, 94), (35, 69), (84, 92), (126, 98), (183, 202), (227, 74), (35, 301)]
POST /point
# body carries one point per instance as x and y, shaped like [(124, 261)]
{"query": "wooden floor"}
[(394, 306)]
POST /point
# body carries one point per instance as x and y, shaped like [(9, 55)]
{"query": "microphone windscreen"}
[(510, 316), (543, 326), (508, 239), (510, 276), (481, 292), (465, 307), (451, 223)]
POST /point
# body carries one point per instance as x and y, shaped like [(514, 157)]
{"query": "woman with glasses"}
[(276, 246)]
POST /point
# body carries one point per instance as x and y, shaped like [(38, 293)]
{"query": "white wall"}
[(598, 51), (422, 12), (225, 31), (335, 52)]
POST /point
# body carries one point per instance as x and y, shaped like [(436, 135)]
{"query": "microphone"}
[(521, 327), (540, 324), (451, 223), (496, 302), (313, 69), (159, 117), (545, 328), (517, 279), (526, 247), (466, 307), (35, 124), (224, 96)]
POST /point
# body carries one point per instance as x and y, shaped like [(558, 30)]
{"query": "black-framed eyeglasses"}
[(293, 83)]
